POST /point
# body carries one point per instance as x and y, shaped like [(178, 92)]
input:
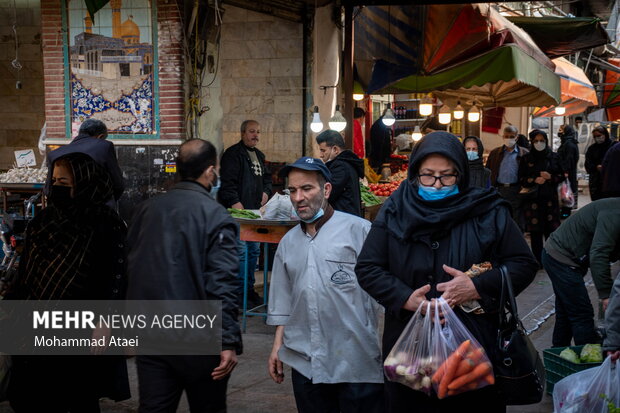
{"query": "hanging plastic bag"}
[(565, 194), (436, 352), (589, 391), (279, 207)]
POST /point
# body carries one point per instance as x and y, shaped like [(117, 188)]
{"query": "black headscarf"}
[(63, 243), (407, 216), (568, 134), (535, 153)]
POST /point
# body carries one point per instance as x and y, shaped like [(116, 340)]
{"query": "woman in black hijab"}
[(594, 161), (428, 233), (540, 173), (73, 251), (479, 176)]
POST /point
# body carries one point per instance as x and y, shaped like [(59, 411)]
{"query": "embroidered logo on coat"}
[(341, 277)]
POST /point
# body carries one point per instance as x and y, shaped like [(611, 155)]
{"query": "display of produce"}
[(384, 189), (398, 176), (368, 198), (243, 213), (590, 353), (24, 175)]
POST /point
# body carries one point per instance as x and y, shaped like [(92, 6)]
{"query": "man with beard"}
[(327, 325)]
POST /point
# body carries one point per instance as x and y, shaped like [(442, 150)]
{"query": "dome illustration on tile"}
[(130, 32)]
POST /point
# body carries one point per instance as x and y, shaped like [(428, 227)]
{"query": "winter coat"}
[(594, 157), (346, 169), (239, 182), (183, 246), (496, 157), (569, 155), (611, 172), (412, 239), (380, 143), (542, 210)]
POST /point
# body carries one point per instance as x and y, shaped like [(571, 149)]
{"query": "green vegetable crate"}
[(557, 368)]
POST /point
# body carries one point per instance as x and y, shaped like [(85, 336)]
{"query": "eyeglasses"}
[(429, 180)]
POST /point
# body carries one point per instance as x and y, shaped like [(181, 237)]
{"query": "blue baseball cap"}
[(307, 164)]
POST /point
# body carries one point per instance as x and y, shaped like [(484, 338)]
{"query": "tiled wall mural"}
[(112, 71)]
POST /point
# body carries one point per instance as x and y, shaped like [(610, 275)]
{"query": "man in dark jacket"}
[(380, 143), (569, 156), (246, 184), (346, 169), (504, 162), (589, 238), (611, 172), (91, 140), (183, 246)]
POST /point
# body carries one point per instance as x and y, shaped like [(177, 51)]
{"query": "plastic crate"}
[(557, 368)]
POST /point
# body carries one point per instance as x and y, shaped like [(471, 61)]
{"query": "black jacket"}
[(183, 246), (239, 183), (346, 169), (569, 155), (411, 239), (494, 161), (102, 152), (380, 143), (594, 157)]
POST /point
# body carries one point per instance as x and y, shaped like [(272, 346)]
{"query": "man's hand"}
[(599, 167), (265, 199), (416, 298), (545, 175), (238, 205), (275, 367), (459, 290), (540, 180), (99, 333), (228, 361), (605, 302)]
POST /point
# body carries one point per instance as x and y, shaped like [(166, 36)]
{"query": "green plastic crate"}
[(557, 368)]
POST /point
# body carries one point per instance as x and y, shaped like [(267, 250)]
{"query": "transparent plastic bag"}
[(589, 391), (279, 207), (436, 353), (565, 194)]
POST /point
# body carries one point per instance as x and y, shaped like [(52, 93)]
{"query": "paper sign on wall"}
[(25, 158)]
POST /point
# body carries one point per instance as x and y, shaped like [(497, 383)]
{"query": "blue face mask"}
[(215, 187), (430, 193), (472, 155), (316, 216)]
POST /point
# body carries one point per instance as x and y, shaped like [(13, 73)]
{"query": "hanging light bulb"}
[(337, 122), (474, 114), (560, 110), (459, 112), (358, 91), (426, 106), (316, 125), (445, 115), (388, 116), (417, 133)]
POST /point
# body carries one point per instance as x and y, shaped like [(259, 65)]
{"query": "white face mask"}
[(510, 142), (599, 139), (540, 146)]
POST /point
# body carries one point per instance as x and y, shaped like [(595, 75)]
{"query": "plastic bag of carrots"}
[(437, 354)]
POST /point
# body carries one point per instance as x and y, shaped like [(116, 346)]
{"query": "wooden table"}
[(266, 232)]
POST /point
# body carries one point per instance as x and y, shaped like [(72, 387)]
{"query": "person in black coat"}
[(346, 169), (479, 176), (594, 161), (380, 143), (91, 140), (540, 173), (569, 157), (611, 172), (419, 247)]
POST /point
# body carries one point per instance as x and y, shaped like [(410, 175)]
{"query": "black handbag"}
[(519, 370)]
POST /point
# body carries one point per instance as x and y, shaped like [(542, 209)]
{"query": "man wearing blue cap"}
[(326, 324)]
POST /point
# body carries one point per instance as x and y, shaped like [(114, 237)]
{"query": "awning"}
[(577, 91), (611, 96), (561, 36), (506, 77)]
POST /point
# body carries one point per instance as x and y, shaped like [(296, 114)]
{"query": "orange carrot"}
[(439, 373), (451, 366), (481, 371), (490, 378), (468, 364)]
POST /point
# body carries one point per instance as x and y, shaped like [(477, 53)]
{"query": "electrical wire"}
[(16, 63)]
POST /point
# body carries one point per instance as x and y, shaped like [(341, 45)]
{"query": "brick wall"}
[(171, 106), (21, 110)]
